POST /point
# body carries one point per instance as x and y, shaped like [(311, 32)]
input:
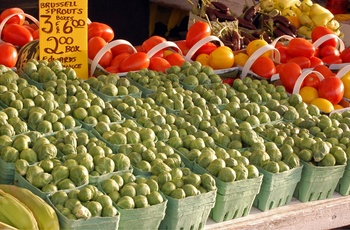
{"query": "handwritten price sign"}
[(63, 33)]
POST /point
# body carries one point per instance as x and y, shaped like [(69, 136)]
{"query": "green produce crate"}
[(7, 172), (24, 183), (94, 180), (142, 218), (108, 98), (277, 188), (188, 213), (145, 91), (103, 223), (343, 186), (318, 182), (233, 200)]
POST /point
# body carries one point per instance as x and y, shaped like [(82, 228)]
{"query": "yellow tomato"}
[(337, 106), (222, 58), (167, 52), (255, 45), (308, 93), (204, 59), (323, 104), (346, 81), (241, 59)]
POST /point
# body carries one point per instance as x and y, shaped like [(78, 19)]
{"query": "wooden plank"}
[(323, 214)]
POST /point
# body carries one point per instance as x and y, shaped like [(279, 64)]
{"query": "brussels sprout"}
[(59, 173), (9, 154), (79, 175), (33, 171), (104, 165), (46, 151), (42, 180)]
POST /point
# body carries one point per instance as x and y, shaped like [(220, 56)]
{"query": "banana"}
[(15, 213), (44, 214), (4, 226)]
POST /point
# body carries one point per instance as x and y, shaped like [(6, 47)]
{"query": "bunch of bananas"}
[(306, 14), (22, 209)]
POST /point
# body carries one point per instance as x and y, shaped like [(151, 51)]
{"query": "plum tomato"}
[(328, 50), (16, 34), (289, 73), (16, 19), (311, 80), (98, 29), (345, 55), (159, 64), (135, 61), (300, 47), (221, 58), (303, 62), (320, 31), (196, 32)]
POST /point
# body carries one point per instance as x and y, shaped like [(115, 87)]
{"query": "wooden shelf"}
[(323, 214)]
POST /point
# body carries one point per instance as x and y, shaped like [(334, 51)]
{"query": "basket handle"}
[(275, 55), (3, 23), (104, 49), (301, 78), (163, 45), (199, 44), (327, 37)]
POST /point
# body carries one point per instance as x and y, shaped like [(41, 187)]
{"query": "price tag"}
[(63, 33)]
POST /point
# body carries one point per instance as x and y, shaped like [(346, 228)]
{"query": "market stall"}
[(243, 123)]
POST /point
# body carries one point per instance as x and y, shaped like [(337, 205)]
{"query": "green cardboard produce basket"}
[(188, 213), (24, 183), (343, 186), (142, 218), (318, 182), (96, 223), (277, 188), (233, 200)]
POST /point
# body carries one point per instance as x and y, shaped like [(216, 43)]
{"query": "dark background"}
[(128, 18)]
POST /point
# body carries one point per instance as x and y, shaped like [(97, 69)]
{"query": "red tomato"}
[(151, 42), (228, 81), (289, 73), (315, 61), (303, 62), (159, 64), (119, 58), (264, 67), (17, 19), (300, 47), (135, 61), (94, 45), (36, 34), (8, 55), (196, 32), (98, 29), (122, 48), (332, 89), (205, 49), (311, 80), (332, 59), (112, 69), (345, 55), (328, 50), (283, 53), (29, 28), (324, 70), (16, 34), (278, 67), (175, 59), (320, 31), (183, 46)]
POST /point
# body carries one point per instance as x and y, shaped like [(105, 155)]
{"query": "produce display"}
[(170, 133)]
